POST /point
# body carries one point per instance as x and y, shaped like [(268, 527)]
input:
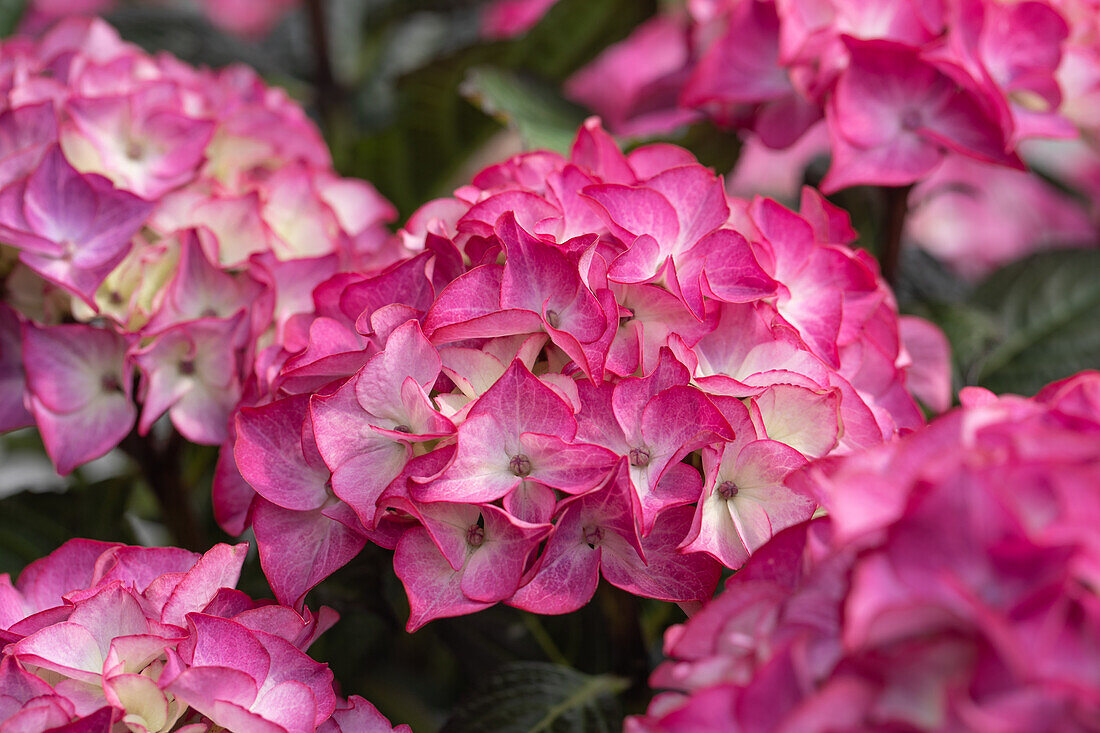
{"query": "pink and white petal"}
[(432, 585), (570, 467), (806, 420), (530, 501), (299, 549), (714, 532), (568, 571), (66, 648), (202, 687), (289, 704), (666, 573), (523, 404), (75, 438), (220, 567), (141, 700), (407, 354), (493, 570)]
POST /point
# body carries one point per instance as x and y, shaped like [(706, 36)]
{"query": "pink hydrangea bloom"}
[(896, 92), (978, 217), (508, 18), (635, 85), (176, 220), (776, 67), (952, 586), (157, 639), (245, 18), (523, 404)]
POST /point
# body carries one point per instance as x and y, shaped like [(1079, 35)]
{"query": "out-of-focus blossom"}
[(161, 222), (896, 93), (979, 217)]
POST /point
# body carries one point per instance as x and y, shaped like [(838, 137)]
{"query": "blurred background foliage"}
[(410, 97)]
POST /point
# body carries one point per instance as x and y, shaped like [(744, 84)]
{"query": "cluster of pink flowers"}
[(890, 89), (246, 18), (158, 221), (955, 585), (599, 364), (99, 636)]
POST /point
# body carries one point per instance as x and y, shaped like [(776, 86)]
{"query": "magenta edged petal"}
[(666, 573), (568, 571), (359, 716), (299, 549), (97, 722), (569, 467), (270, 457), (75, 438), (493, 571), (219, 567), (433, 586)]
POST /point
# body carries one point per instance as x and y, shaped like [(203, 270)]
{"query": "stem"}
[(628, 653), (897, 207), (329, 95), (543, 638), (160, 464)]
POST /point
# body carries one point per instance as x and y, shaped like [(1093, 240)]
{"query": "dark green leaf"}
[(34, 524), (1048, 310), (924, 279), (543, 118), (536, 697), (11, 12), (410, 132)]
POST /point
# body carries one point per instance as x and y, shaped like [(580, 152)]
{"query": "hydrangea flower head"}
[(149, 640), (598, 364), (951, 586), (151, 218)]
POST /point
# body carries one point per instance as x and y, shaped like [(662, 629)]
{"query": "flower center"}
[(187, 367), (910, 119), (727, 489), (110, 383), (593, 535), (402, 428), (134, 150), (520, 465), (553, 319), (639, 457), (475, 535)]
